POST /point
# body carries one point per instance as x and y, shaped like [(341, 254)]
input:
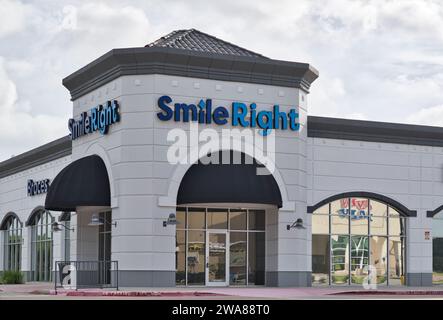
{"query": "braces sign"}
[(240, 115)]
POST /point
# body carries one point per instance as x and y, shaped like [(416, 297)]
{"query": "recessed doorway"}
[(220, 247)]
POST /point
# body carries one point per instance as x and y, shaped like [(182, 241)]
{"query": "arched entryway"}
[(83, 189), (222, 213)]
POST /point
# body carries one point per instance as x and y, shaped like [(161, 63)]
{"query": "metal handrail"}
[(86, 274)]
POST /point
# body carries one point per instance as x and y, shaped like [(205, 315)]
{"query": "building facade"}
[(337, 202)]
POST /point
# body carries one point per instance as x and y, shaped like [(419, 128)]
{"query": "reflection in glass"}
[(437, 260), (397, 226), (393, 213), (256, 256), (256, 220), (366, 221), (359, 259), (217, 219), (396, 260), (378, 209), (196, 257), (359, 225), (339, 224), (217, 257), (359, 216), (320, 223), (196, 218), (379, 257), (13, 244), (340, 259), (104, 246), (181, 218), (41, 247), (237, 258), (191, 243), (237, 219), (320, 259), (180, 258), (379, 226), (340, 216)]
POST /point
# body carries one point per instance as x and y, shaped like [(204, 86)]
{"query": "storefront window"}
[(205, 238), (196, 257), (320, 259), (379, 226), (437, 248), (217, 218), (359, 259), (180, 256), (181, 218), (196, 218), (238, 258), (104, 247), (237, 219), (13, 244), (320, 221), (351, 236), (340, 259), (340, 216), (256, 220), (379, 258), (256, 269), (41, 247), (396, 250), (359, 213)]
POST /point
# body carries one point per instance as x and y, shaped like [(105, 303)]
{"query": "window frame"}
[(321, 210)]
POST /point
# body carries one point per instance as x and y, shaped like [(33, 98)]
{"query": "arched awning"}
[(228, 183), (65, 216), (84, 182)]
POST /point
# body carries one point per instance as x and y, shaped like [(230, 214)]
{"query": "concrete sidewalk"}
[(46, 291)]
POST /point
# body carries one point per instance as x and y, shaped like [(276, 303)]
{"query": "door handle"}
[(207, 264)]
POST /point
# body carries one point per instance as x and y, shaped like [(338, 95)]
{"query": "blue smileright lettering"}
[(166, 113), (239, 113), (242, 115), (98, 119)]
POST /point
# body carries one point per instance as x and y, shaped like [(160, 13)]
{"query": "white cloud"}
[(14, 17), (19, 130), (91, 29), (356, 116), (378, 60), (8, 91), (432, 116), (49, 44)]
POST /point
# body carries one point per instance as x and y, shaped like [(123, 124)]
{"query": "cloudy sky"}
[(378, 60)]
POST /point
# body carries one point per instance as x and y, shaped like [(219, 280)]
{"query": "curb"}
[(134, 294), (387, 292)]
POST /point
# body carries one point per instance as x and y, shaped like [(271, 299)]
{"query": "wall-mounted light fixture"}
[(172, 220), (96, 220), (298, 224), (58, 227)]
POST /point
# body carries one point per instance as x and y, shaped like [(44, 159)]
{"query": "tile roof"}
[(195, 40)]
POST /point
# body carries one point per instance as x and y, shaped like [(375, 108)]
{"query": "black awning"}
[(224, 183), (84, 182)]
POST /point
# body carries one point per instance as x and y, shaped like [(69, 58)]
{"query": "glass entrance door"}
[(217, 256)]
